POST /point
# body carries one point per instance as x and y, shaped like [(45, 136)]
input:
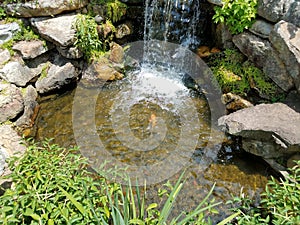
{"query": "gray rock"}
[(36, 8), (286, 40), (30, 49), (293, 13), (70, 52), (30, 105), (4, 56), (10, 145), (58, 30), (61, 73), (262, 54), (268, 130), (262, 28), (223, 36), (11, 102), (216, 2), (7, 31), (17, 74), (272, 10)]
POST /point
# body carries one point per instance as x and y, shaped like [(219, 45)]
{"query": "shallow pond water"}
[(145, 118)]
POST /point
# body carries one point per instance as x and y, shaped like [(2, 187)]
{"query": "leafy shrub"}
[(235, 75), (87, 39), (280, 202), (53, 185), (237, 14)]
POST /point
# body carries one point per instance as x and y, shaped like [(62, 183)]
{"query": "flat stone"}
[(58, 30), (11, 102), (37, 8), (268, 130), (17, 74), (30, 49), (261, 28)]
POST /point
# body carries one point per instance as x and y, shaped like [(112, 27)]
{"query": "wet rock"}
[(234, 102), (11, 102), (17, 74), (70, 52), (285, 38), (262, 54), (30, 49), (262, 28), (268, 130), (7, 31), (30, 106), (116, 53), (124, 30), (223, 36), (58, 30), (37, 8), (4, 56), (10, 145), (60, 74), (99, 72)]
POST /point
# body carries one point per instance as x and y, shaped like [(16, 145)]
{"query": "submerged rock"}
[(11, 102), (268, 130)]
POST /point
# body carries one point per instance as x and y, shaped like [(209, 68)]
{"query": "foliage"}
[(280, 202), (239, 77), (53, 185), (2, 13), (237, 14), (115, 9), (87, 39)]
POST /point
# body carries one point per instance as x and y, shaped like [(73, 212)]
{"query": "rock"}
[(10, 145), (99, 72), (30, 49), (30, 107), (223, 36), (234, 102), (17, 74), (262, 54), (99, 19), (37, 8), (70, 52), (104, 29), (268, 130), (58, 30), (60, 74), (133, 1), (286, 40), (291, 161), (4, 56), (272, 10), (7, 31), (116, 53), (216, 2), (11, 102), (261, 28), (124, 30), (293, 13)]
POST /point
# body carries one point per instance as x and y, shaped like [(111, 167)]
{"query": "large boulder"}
[(11, 102), (58, 30), (36, 8), (59, 74), (263, 55), (16, 73), (285, 38), (267, 130)]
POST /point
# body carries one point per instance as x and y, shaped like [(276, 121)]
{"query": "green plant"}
[(237, 14), (87, 39), (280, 202), (239, 77), (2, 13)]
